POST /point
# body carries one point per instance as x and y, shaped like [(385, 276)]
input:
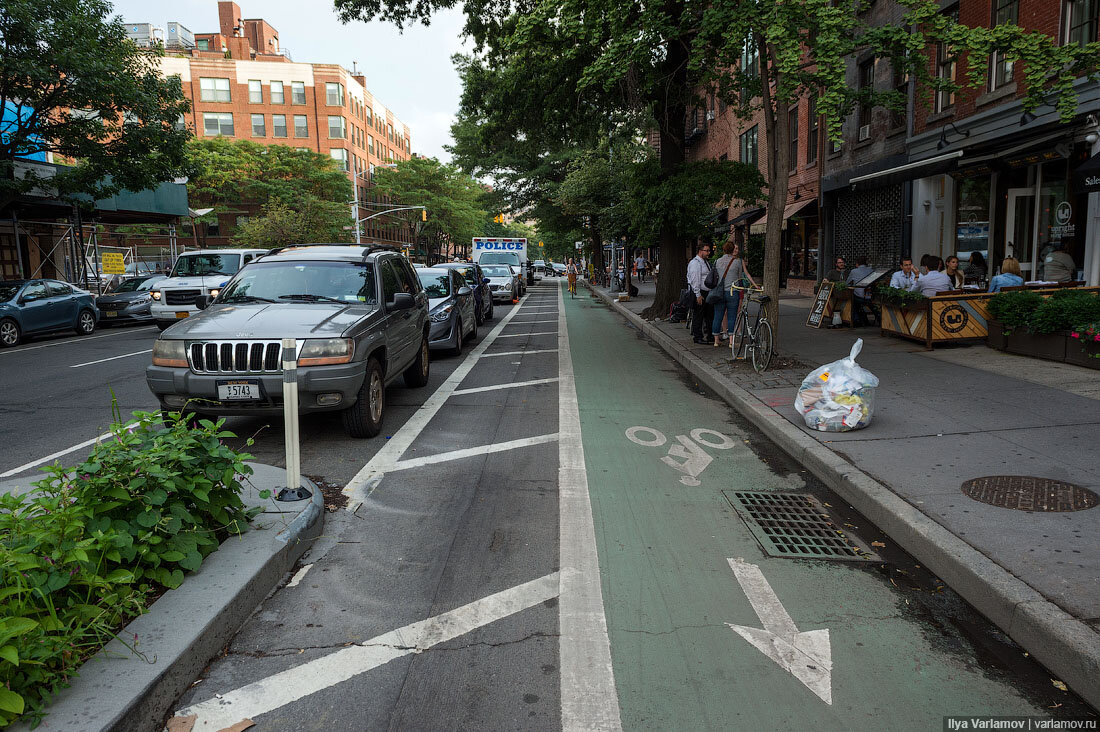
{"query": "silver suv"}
[(360, 317)]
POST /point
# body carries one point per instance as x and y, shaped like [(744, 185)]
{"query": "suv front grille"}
[(235, 357), (181, 297)]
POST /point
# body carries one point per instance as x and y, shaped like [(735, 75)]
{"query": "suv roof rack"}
[(276, 250)]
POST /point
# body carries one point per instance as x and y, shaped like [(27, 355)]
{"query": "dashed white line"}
[(520, 353), (512, 385), (112, 358), (531, 322), (521, 335), (472, 452)]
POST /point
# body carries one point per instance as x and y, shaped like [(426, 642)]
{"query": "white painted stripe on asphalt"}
[(531, 322), (521, 335), (513, 385), (298, 576), (520, 353), (112, 358), (298, 682), (444, 457), (371, 473), (59, 453), (589, 700), (79, 339)]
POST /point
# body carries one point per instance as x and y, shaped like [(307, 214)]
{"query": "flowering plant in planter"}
[(1089, 337)]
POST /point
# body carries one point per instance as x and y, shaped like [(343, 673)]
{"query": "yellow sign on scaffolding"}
[(112, 263)]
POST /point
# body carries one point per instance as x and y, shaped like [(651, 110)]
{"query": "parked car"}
[(451, 308), (559, 269), (358, 313), (130, 300), (479, 283), (30, 307), (195, 274), (504, 281), (540, 269)]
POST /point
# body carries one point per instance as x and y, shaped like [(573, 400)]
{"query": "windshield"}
[(193, 265), (8, 290), (436, 284), (496, 271), (343, 282), (135, 284), (499, 258), (468, 274)]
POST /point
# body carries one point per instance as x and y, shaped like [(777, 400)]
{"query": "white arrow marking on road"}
[(806, 655)]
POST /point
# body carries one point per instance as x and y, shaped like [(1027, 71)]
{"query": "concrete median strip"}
[(1068, 647)]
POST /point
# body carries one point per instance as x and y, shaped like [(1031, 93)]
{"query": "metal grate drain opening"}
[(1026, 493), (796, 525)]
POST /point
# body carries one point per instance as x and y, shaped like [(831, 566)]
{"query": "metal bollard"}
[(293, 490)]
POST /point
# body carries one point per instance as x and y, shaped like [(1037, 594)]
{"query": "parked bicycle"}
[(752, 337)]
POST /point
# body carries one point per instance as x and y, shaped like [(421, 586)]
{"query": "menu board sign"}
[(817, 313)]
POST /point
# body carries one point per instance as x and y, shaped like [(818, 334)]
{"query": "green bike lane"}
[(666, 536)]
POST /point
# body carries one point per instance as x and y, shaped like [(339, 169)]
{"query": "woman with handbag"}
[(725, 300)]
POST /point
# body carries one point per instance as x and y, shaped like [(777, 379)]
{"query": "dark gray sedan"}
[(451, 308), (129, 301)]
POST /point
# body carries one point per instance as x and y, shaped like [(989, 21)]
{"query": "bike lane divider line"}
[(589, 698), (298, 682), (78, 339), (524, 335), (532, 322), (112, 358), (496, 387), (368, 477), (443, 457), (520, 353)]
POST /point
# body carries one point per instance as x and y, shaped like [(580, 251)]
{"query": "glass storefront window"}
[(1058, 220), (972, 217)]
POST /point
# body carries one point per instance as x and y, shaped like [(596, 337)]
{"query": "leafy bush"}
[(85, 550), (1014, 309), (1088, 335), (898, 297), (1065, 309)]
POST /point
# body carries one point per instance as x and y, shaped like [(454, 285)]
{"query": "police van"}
[(503, 250)]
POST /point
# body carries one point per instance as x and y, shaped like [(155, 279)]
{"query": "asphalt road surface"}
[(555, 533)]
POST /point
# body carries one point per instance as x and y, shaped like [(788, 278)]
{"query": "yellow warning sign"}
[(112, 263)]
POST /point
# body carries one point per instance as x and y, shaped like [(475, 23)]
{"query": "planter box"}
[(1051, 347), (1077, 353), (1020, 342), (996, 338)]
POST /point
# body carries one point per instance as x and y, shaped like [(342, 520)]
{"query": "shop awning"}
[(909, 171), (747, 217), (1086, 179), (790, 210)]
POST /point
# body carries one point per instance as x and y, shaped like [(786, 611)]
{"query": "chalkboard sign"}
[(816, 317)]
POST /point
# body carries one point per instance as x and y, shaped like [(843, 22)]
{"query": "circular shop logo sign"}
[(954, 318), (1063, 213)]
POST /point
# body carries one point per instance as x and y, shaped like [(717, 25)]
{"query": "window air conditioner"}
[(864, 132), (710, 115)]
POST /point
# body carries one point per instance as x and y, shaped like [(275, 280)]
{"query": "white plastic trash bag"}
[(839, 396)]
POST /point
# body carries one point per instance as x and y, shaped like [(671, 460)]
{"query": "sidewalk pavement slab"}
[(185, 628), (943, 417)]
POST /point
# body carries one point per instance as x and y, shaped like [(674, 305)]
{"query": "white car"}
[(504, 281), (195, 274)]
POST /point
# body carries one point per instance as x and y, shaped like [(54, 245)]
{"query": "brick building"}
[(242, 85)]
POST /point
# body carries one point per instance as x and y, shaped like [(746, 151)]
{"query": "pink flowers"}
[(1074, 334)]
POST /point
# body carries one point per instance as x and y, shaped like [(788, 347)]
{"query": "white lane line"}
[(472, 452), (520, 353), (368, 477), (521, 335), (59, 453), (80, 339), (298, 576), (531, 322), (298, 682), (112, 358), (589, 700), (495, 387)]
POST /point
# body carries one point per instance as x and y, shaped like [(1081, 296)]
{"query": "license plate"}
[(181, 315), (110, 313), (238, 390)]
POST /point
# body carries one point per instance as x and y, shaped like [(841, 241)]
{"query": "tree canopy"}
[(309, 220)]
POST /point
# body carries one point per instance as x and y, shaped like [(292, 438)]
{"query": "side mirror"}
[(463, 291), (202, 302), (402, 301), (484, 280)]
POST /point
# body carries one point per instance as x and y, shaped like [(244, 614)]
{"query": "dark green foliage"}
[(898, 297), (1063, 310), (1014, 309)]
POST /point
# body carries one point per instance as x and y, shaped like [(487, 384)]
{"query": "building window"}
[(749, 153), (301, 125), (1081, 21), (389, 129), (946, 68), (866, 88), (1005, 12), (214, 90), (259, 129), (277, 93), (750, 58), (203, 44), (369, 115), (811, 132), (255, 91), (340, 155), (337, 128), (297, 92), (370, 144), (278, 125), (792, 127), (242, 220), (334, 94), (901, 90), (215, 124), (408, 145)]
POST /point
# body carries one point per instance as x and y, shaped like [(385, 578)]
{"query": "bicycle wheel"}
[(762, 347), (740, 336)]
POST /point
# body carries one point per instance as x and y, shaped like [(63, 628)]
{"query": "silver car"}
[(451, 308), (503, 281)]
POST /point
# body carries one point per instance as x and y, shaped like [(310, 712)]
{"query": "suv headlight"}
[(326, 351), (155, 294), (440, 314), (170, 353)]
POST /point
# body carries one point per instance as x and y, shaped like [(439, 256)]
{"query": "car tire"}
[(473, 331), (490, 315), (364, 418), (456, 349), (479, 316), (9, 333), (416, 375), (162, 325), (85, 323)]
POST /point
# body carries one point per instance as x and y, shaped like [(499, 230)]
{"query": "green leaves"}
[(11, 702)]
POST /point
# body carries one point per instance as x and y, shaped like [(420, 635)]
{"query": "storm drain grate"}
[(796, 525), (1026, 493)]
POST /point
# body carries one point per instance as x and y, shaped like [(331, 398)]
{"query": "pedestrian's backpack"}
[(712, 277)]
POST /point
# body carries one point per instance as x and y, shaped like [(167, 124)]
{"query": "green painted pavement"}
[(669, 591)]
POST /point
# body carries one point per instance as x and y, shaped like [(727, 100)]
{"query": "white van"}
[(202, 272)]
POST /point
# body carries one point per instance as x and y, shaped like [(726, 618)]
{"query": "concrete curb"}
[(189, 626), (1068, 647)]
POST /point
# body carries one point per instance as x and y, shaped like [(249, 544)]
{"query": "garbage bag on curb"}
[(839, 396)]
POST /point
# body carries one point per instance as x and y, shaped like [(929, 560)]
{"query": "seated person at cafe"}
[(975, 267), (935, 281), (838, 274), (1009, 276), (906, 278), (951, 269), (1058, 265), (859, 294)]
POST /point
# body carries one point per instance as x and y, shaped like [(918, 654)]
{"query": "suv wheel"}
[(417, 374), (85, 322), (364, 418), (164, 324)]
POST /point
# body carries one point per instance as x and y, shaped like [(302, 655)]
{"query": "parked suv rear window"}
[(192, 265), (349, 282)]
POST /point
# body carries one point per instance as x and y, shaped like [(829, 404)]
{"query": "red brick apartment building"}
[(242, 85)]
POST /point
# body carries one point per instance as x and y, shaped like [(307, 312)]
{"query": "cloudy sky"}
[(411, 72)]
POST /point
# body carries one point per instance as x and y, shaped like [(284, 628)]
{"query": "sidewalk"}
[(943, 417)]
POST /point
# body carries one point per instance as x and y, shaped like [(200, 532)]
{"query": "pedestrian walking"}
[(698, 269), (639, 266)]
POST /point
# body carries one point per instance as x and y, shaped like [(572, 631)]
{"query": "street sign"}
[(112, 263), (579, 244)]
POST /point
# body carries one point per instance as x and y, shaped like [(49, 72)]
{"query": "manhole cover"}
[(796, 525), (1025, 493)]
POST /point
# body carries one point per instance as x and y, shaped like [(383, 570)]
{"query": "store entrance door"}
[(1020, 231)]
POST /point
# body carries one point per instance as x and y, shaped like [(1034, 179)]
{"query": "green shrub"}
[(1065, 309), (898, 297), (84, 551), (1014, 309)]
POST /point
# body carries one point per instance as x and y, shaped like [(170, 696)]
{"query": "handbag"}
[(711, 280), (715, 293)]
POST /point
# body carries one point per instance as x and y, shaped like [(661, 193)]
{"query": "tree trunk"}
[(597, 250), (779, 163)]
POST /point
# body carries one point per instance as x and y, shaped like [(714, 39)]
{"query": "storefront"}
[(800, 243)]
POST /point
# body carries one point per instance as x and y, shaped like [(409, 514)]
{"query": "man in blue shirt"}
[(906, 278)]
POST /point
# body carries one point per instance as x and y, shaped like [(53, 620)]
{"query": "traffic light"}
[(498, 219), (423, 214)]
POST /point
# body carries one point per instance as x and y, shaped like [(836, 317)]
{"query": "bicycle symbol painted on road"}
[(687, 455)]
